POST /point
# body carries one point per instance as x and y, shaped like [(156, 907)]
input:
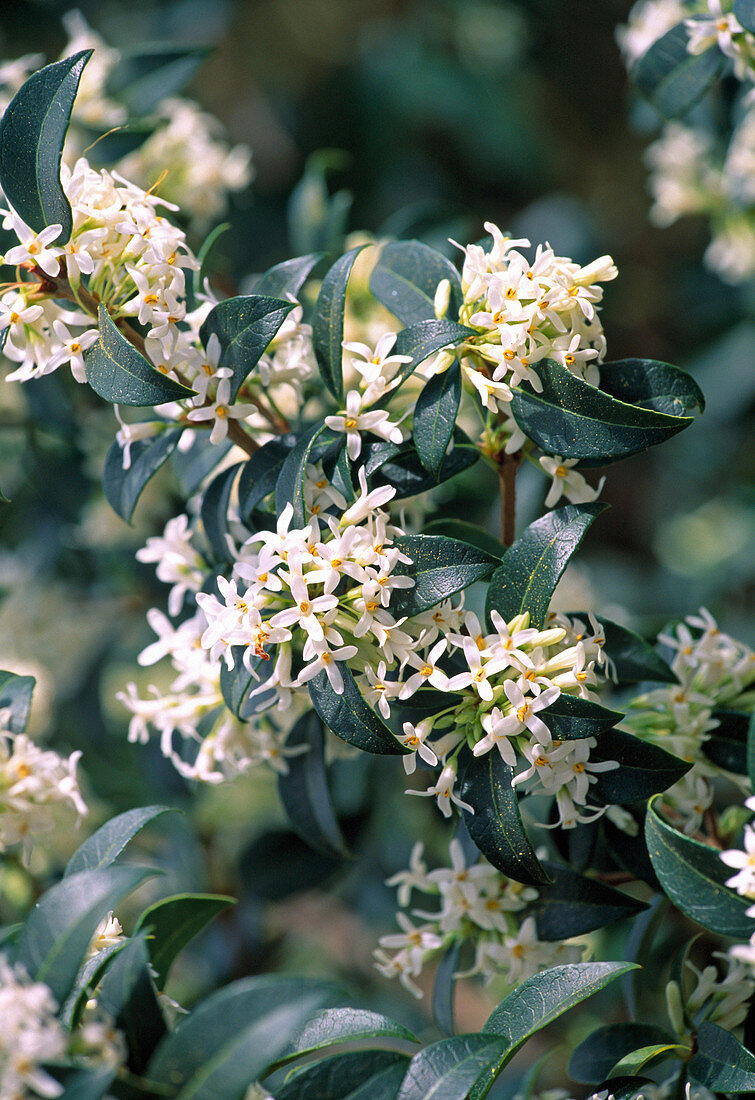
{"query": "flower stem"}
[(507, 468)]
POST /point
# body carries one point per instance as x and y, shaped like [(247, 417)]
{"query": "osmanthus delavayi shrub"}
[(303, 600)]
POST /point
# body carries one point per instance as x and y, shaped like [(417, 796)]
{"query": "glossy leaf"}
[(244, 326), (470, 533), (726, 746), (406, 277), (573, 419), (261, 471), (449, 1069), (744, 10), (237, 682), (15, 698), (650, 384), (119, 373), (141, 79), (214, 511), (105, 845), (334, 1026), (200, 458), (496, 824), (694, 878), (233, 1035), (123, 487), (349, 717), (327, 324), (287, 277), (595, 1057), (572, 717), (634, 659), (423, 340), (572, 904), (127, 993), (435, 418), (673, 79), (403, 470), (172, 923), (304, 788), (751, 751), (721, 1063), (440, 568), (382, 1086), (636, 1060), (59, 929), (289, 488), (444, 987), (343, 1075), (32, 132), (533, 565), (644, 770)]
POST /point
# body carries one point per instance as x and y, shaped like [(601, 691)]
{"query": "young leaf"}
[(120, 374), (435, 418), (636, 1060), (572, 904), (127, 993), (140, 79), (244, 326), (440, 568), (123, 487), (533, 565), (173, 922), (650, 384), (287, 277), (721, 1063), (672, 78), (423, 340), (349, 717), (304, 789), (496, 824), (406, 277), (694, 878), (447, 1070), (444, 988), (214, 511), (327, 325), (32, 132), (572, 717), (104, 846), (596, 1055), (261, 471), (334, 1026), (59, 929), (15, 698), (233, 1035), (573, 419), (644, 770)]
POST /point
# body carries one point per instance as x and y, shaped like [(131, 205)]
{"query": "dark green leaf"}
[(123, 487), (349, 717), (120, 374), (15, 697), (141, 79), (214, 512), (85, 1084), (751, 751), (304, 789), (572, 904), (173, 922), (383, 1086), (289, 488), (496, 824), (194, 464), (344, 1076), (744, 10), (573, 419), (195, 285), (726, 745), (694, 878), (435, 418), (423, 340), (127, 993), (626, 1088), (721, 1063), (59, 929), (406, 277), (327, 324), (32, 132), (644, 770), (287, 277), (88, 978), (533, 565), (444, 988), (596, 1055), (440, 568), (261, 472), (333, 1026), (572, 717), (470, 533), (237, 682), (108, 145), (103, 847), (673, 79), (447, 1070), (233, 1035), (631, 852), (406, 473), (279, 864), (652, 385), (634, 659), (244, 326)]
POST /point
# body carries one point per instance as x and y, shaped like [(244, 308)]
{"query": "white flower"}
[(34, 784), (30, 1035), (744, 861), (413, 738), (354, 421), (34, 247), (567, 482)]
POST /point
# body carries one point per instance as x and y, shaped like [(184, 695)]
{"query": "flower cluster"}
[(38, 789), (709, 24), (479, 906), (714, 672)]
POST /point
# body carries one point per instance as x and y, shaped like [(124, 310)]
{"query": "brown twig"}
[(507, 468)]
